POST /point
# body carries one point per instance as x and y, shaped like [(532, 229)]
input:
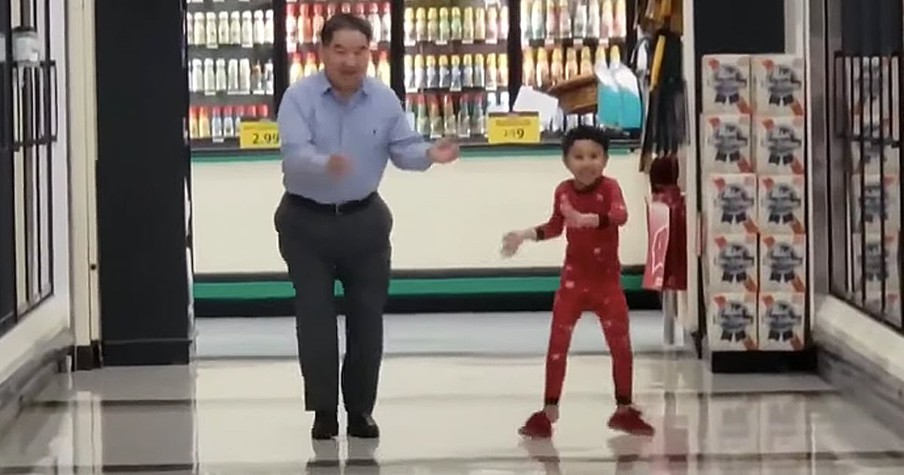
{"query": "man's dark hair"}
[(585, 132), (345, 21)]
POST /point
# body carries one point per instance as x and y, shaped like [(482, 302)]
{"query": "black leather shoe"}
[(363, 426), (326, 425)]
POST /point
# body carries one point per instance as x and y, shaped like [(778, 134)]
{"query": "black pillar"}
[(7, 216), (143, 170)]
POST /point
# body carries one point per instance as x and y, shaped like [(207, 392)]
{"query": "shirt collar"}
[(324, 86)]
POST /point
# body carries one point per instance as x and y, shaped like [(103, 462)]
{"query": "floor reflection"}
[(460, 416)]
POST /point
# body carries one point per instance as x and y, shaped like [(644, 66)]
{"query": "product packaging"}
[(730, 204), (732, 319), (725, 80), (782, 321), (873, 97), (778, 84), (781, 204), (875, 157), (877, 266), (726, 144), (779, 144), (783, 263), (731, 263), (876, 200)]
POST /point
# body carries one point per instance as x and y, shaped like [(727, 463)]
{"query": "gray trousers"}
[(320, 248)]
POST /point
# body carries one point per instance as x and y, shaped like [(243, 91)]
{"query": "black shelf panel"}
[(227, 5), (572, 42)]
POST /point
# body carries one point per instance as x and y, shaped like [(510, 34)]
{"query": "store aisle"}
[(445, 415)]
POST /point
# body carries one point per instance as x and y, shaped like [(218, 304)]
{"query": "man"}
[(338, 130)]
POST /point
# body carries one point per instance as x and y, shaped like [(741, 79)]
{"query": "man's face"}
[(586, 160), (345, 59)]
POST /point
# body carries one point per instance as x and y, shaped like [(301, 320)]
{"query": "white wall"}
[(43, 326), (449, 217)]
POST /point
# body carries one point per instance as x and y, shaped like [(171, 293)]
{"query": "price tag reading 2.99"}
[(515, 128), (259, 135)]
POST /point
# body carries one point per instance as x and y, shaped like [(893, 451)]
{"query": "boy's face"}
[(586, 160)]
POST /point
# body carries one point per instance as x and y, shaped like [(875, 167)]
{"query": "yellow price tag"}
[(513, 128), (258, 135)]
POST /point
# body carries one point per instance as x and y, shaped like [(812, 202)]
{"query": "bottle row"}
[(237, 76), (304, 21), (221, 123), (567, 19), (378, 66), (441, 25), (245, 29), (456, 71), (438, 115), (542, 67)]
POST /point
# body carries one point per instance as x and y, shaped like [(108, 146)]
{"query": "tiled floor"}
[(445, 415)]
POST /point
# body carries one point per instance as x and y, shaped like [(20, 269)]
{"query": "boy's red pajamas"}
[(591, 280)]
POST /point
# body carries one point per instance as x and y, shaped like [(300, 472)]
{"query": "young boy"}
[(592, 207)]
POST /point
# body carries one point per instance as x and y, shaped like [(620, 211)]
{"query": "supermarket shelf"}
[(204, 6)]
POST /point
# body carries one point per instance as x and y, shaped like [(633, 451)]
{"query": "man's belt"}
[(334, 209)]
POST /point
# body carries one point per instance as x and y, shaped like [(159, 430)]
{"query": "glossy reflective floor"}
[(445, 415)]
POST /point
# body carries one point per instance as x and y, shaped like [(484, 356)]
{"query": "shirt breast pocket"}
[(375, 133)]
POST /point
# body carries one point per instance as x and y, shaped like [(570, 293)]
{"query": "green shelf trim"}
[(466, 154), (264, 290)]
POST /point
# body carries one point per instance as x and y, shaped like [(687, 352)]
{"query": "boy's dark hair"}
[(584, 132), (345, 21)]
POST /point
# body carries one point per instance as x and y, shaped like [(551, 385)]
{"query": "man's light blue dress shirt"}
[(369, 129)]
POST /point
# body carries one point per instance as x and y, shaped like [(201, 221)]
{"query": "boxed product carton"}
[(875, 157), (778, 84), (731, 263), (887, 304), (783, 263), (876, 267), (781, 319), (877, 202), (725, 143), (779, 144), (872, 94), (725, 80), (781, 204), (732, 319), (730, 204)]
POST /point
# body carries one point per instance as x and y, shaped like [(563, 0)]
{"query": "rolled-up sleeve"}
[(407, 149), (296, 141)]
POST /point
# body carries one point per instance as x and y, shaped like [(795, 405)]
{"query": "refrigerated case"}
[(452, 62), (232, 74)]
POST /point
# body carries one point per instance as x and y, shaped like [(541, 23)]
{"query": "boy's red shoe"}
[(538, 426), (630, 421)]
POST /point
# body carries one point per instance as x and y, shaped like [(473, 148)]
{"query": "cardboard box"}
[(876, 200), (783, 263), (726, 145), (779, 145), (730, 204), (725, 84), (731, 263), (782, 320), (732, 321), (778, 84), (781, 204), (872, 154), (873, 97), (879, 269)]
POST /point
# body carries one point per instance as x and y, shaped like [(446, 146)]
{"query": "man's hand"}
[(338, 165), (443, 151), (512, 241), (576, 219)]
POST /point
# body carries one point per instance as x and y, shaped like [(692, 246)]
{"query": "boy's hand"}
[(511, 242), (576, 219)]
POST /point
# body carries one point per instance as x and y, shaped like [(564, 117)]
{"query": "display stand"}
[(751, 183)]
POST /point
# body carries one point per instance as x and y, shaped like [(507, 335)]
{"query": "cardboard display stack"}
[(874, 182), (752, 151)]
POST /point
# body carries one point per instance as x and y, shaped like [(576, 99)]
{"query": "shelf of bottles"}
[(230, 60), (455, 65), (305, 19), (562, 39)]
